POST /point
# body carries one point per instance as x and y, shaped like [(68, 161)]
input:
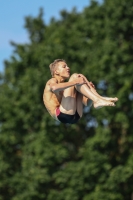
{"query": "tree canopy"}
[(93, 159)]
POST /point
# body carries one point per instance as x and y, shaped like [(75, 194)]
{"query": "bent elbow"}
[(53, 88)]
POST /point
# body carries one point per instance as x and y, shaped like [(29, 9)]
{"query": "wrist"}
[(75, 82)]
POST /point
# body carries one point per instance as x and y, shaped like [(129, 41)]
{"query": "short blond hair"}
[(53, 65)]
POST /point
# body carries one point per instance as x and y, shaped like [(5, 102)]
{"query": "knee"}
[(74, 76)]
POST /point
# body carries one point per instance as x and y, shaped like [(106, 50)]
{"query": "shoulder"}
[(51, 81)]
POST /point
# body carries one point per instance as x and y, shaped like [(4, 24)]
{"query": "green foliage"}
[(40, 159)]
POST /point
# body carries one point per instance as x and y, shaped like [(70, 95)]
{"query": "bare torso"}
[(51, 100)]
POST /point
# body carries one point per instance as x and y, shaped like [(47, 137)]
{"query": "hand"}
[(86, 81), (80, 81), (92, 84)]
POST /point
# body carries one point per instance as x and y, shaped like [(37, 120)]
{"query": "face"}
[(63, 70)]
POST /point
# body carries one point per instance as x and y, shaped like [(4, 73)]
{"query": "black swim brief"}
[(67, 119)]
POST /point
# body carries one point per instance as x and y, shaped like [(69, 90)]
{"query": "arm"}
[(56, 87)]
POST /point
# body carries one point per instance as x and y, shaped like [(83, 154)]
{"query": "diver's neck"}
[(60, 79)]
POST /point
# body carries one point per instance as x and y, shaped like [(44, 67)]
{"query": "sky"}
[(12, 14)]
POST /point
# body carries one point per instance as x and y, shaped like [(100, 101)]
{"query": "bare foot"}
[(101, 103), (110, 99)]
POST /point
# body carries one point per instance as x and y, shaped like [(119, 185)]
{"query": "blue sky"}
[(12, 15)]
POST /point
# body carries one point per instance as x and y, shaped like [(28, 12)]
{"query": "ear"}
[(56, 72)]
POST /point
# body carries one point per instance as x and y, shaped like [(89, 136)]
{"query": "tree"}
[(41, 159)]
